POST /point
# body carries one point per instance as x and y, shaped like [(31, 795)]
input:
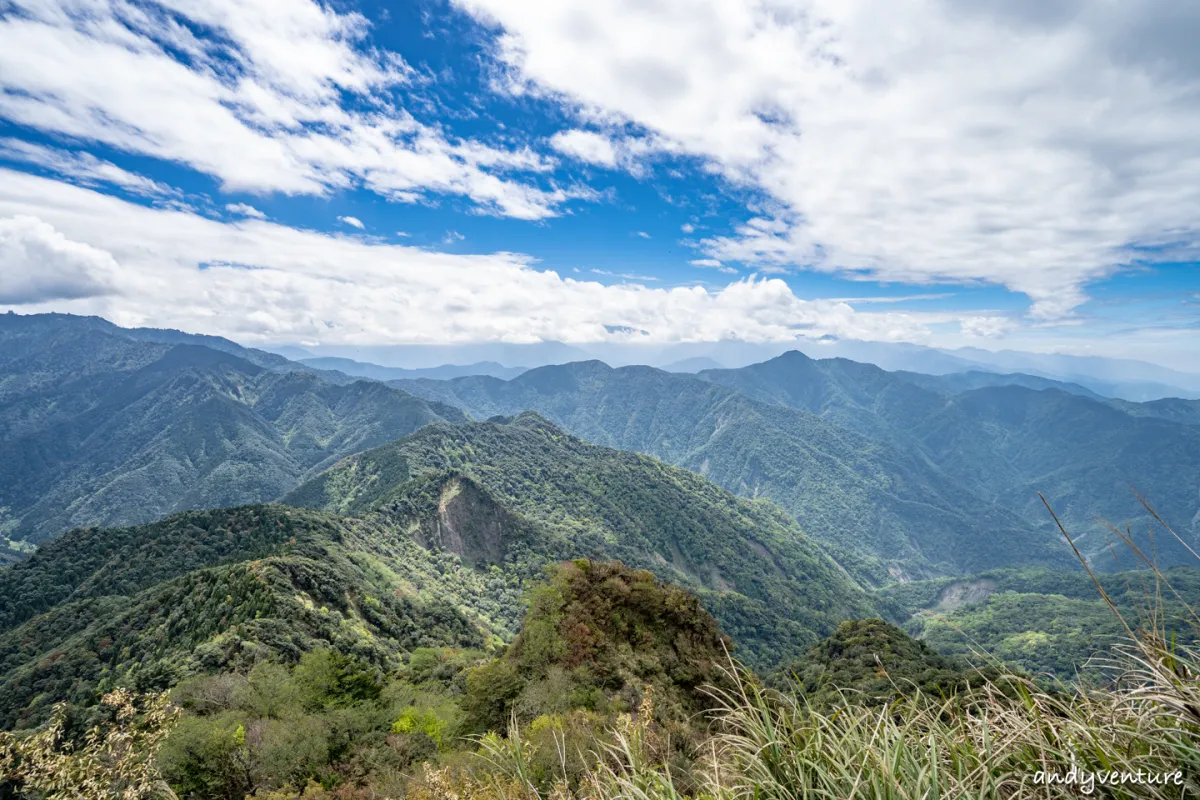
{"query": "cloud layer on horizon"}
[(259, 281)]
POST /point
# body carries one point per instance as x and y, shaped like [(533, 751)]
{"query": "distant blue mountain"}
[(363, 369)]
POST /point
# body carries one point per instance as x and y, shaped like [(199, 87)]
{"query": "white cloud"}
[(642, 234), (1020, 144), (258, 281), (353, 222), (986, 326), (244, 210), (624, 275), (452, 236), (890, 298), (38, 264), (687, 227), (630, 153), (280, 96), (587, 146), (712, 263), (404, 235), (84, 168)]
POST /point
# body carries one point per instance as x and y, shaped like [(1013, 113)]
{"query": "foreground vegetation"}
[(620, 686)]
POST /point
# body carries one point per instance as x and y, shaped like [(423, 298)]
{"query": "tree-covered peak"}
[(600, 636), (872, 661)]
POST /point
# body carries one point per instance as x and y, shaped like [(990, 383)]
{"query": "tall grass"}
[(998, 741)]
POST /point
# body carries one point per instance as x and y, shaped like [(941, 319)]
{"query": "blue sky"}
[(1021, 176)]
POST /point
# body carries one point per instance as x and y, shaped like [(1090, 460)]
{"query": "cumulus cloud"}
[(353, 222), (259, 281), (587, 146), (279, 96), (1028, 145), (39, 264), (244, 210), (612, 150)]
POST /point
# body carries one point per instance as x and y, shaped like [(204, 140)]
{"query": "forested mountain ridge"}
[(887, 508), (204, 591), (956, 382), (1007, 442), (1171, 408), (756, 570), (28, 334), (908, 476), (101, 427), (451, 526)]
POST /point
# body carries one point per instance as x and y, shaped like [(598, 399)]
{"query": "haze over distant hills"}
[(1126, 379), (443, 372)]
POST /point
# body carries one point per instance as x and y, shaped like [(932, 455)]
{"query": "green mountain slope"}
[(209, 591), (1186, 412), (855, 396), (1045, 621), (771, 587), (885, 507), (98, 427), (1011, 443), (1005, 443), (27, 335), (957, 382), (452, 526)]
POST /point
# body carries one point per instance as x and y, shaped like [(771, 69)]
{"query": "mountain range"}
[(431, 540), (919, 475), (1008, 442), (890, 512), (1128, 379), (902, 475), (101, 425), (198, 507), (363, 369)]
